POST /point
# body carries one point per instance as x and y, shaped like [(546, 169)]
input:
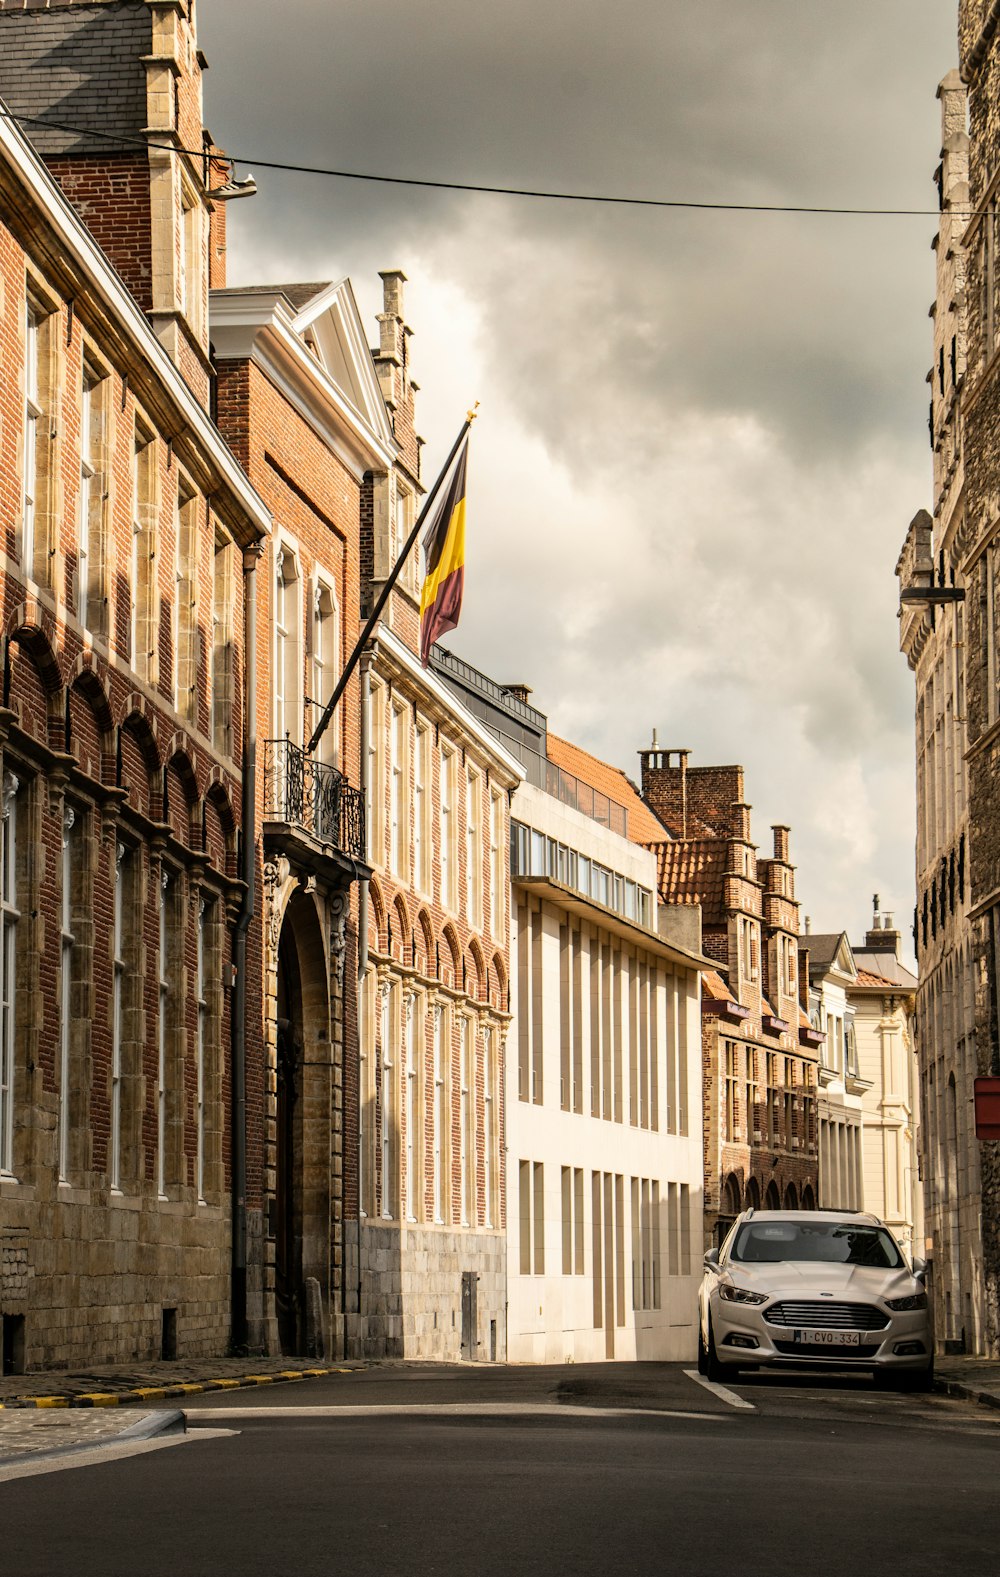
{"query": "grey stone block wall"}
[(411, 1291)]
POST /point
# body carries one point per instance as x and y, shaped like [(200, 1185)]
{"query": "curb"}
[(967, 1393), (165, 1393)]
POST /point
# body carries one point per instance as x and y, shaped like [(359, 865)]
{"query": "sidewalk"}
[(977, 1379), (117, 1385)]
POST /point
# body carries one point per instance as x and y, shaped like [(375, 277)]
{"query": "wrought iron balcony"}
[(317, 798)]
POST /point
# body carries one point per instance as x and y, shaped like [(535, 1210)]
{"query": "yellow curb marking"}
[(101, 1398), (224, 1385)]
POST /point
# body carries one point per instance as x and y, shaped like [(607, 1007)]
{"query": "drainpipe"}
[(239, 1331)]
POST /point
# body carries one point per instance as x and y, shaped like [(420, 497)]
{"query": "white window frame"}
[(9, 917), (287, 646), (421, 800), (388, 1106), (117, 1017), (446, 855), (399, 798), (201, 1004), (67, 943), (489, 1127), (412, 1109), (497, 888), (474, 847), (162, 1026), (440, 1114), (325, 661), (467, 1093), (87, 472), (32, 416)]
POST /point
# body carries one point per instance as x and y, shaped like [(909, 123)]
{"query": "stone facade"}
[(949, 632)]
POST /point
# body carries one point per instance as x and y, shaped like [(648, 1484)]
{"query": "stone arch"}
[(732, 1195), (304, 1095), (399, 929), (220, 830), (476, 976), (376, 918), (34, 685), (753, 1194), (772, 1199), (498, 982), (791, 1199), (139, 765), (423, 943), (91, 726), (450, 965), (180, 793), (808, 1198)]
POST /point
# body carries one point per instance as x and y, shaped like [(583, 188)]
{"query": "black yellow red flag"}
[(444, 560)]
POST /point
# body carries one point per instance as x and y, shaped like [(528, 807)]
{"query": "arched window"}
[(791, 1198), (772, 1199), (753, 1194), (808, 1198)]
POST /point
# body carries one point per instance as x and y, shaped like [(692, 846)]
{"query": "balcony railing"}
[(306, 793)]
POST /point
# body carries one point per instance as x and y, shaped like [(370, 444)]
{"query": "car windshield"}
[(819, 1242)]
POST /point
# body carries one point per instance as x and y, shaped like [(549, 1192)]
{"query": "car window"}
[(820, 1242)]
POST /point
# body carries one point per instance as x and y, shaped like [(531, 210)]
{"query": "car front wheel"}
[(702, 1352), (714, 1370)]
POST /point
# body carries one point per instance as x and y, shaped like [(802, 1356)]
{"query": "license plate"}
[(829, 1338)]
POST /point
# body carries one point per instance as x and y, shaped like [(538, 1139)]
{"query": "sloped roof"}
[(828, 950), (298, 296), (889, 974), (643, 826), (693, 870), (714, 987)]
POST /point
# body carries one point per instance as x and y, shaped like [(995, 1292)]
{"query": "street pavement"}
[(427, 1469)]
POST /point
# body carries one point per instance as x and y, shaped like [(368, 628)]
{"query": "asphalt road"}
[(593, 1469)]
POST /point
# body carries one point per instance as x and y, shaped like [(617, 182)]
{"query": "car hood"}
[(793, 1279)]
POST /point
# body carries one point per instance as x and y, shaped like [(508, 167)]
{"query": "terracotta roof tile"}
[(694, 871), (714, 987), (643, 826)]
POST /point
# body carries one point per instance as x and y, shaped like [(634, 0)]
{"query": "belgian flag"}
[(444, 558)]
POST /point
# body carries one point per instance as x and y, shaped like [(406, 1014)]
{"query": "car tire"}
[(702, 1352), (714, 1370), (917, 1380)]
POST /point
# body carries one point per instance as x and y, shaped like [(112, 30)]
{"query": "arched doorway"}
[(772, 1199), (303, 1127), (808, 1198), (791, 1198), (753, 1194)]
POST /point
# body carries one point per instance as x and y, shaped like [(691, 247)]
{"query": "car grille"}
[(828, 1316), (837, 1355)]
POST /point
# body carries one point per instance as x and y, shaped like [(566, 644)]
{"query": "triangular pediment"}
[(843, 958), (330, 326)]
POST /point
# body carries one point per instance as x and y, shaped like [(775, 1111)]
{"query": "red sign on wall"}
[(987, 1108)]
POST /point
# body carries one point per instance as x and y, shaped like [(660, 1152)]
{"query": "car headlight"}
[(915, 1300), (741, 1294)]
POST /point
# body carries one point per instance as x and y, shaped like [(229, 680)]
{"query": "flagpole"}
[(383, 596)]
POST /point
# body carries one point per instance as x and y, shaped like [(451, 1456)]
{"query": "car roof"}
[(862, 1217)]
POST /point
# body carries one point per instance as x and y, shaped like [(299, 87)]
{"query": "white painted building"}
[(832, 973), (883, 998)]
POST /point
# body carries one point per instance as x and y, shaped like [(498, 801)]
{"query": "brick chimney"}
[(132, 69), (694, 802)]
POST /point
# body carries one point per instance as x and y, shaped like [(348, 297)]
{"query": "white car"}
[(813, 1289)]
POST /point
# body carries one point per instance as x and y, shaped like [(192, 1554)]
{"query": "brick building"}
[(129, 538), (299, 400), (759, 1051), (425, 1234)]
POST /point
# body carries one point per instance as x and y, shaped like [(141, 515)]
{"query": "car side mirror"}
[(712, 1259), (920, 1269)]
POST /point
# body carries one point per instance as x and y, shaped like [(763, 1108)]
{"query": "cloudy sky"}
[(702, 435)]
